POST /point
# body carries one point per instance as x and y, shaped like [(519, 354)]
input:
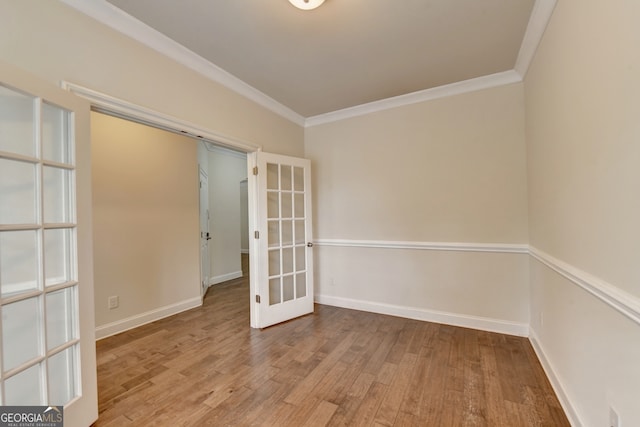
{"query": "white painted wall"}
[(226, 170), (583, 131), (448, 170)]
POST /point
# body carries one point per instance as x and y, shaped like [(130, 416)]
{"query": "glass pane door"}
[(285, 212), (38, 275)]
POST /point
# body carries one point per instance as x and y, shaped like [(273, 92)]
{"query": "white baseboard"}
[(244, 251), (568, 408), (113, 328), (454, 319), (224, 277)]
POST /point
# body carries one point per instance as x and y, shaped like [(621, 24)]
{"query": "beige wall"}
[(56, 43), (448, 170), (583, 128), (146, 224)]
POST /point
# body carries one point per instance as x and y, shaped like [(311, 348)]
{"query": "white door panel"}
[(46, 271), (284, 262)]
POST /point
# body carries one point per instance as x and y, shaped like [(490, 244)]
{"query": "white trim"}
[(559, 389), (538, 21), (244, 251), (625, 303), (224, 277), (129, 110), (111, 16), (120, 21), (434, 246), (132, 322), (454, 319), (471, 85)]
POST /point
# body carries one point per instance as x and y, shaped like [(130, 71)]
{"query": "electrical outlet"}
[(113, 302), (614, 419)]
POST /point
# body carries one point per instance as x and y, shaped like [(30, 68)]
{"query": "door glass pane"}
[(287, 233), (57, 191), (25, 388), (272, 176), (274, 262), (285, 177), (17, 123), (300, 258), (274, 233), (298, 179), (17, 192), (287, 260), (287, 288), (60, 317), (299, 205), (273, 205), (20, 332), (300, 238), (301, 285), (18, 262), (286, 205), (274, 291), (55, 134), (57, 256), (61, 379)]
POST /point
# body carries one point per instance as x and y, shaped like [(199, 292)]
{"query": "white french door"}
[(47, 354), (282, 265)]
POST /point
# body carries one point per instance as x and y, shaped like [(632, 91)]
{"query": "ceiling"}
[(345, 53)]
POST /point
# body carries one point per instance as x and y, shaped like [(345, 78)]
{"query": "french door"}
[(47, 354), (282, 265)]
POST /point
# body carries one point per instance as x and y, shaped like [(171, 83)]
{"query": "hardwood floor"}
[(336, 367)]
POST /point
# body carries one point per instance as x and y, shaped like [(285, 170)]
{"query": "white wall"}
[(583, 133), (226, 170), (146, 223), (450, 170)]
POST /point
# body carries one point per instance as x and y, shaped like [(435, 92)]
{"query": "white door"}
[(205, 235), (282, 268), (47, 352)]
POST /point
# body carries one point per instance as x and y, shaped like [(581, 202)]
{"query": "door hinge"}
[(258, 299), (256, 234), (255, 170)]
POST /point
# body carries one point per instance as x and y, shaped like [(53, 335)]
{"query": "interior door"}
[(282, 239), (205, 235), (47, 352)]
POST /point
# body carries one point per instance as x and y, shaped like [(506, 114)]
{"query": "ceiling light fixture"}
[(306, 4)]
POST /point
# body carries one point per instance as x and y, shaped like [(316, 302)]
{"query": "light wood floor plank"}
[(336, 367)]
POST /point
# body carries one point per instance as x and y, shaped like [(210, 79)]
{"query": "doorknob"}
[(309, 245)]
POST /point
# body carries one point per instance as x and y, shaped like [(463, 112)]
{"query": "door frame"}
[(107, 104), (203, 177)]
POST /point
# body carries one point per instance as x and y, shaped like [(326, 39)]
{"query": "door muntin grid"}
[(286, 224), (39, 349)]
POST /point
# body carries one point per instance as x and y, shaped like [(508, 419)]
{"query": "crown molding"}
[(111, 16), (538, 21), (465, 86)]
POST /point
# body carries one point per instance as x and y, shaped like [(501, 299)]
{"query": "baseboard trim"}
[(244, 251), (559, 389), (224, 277), (453, 319), (123, 325)]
